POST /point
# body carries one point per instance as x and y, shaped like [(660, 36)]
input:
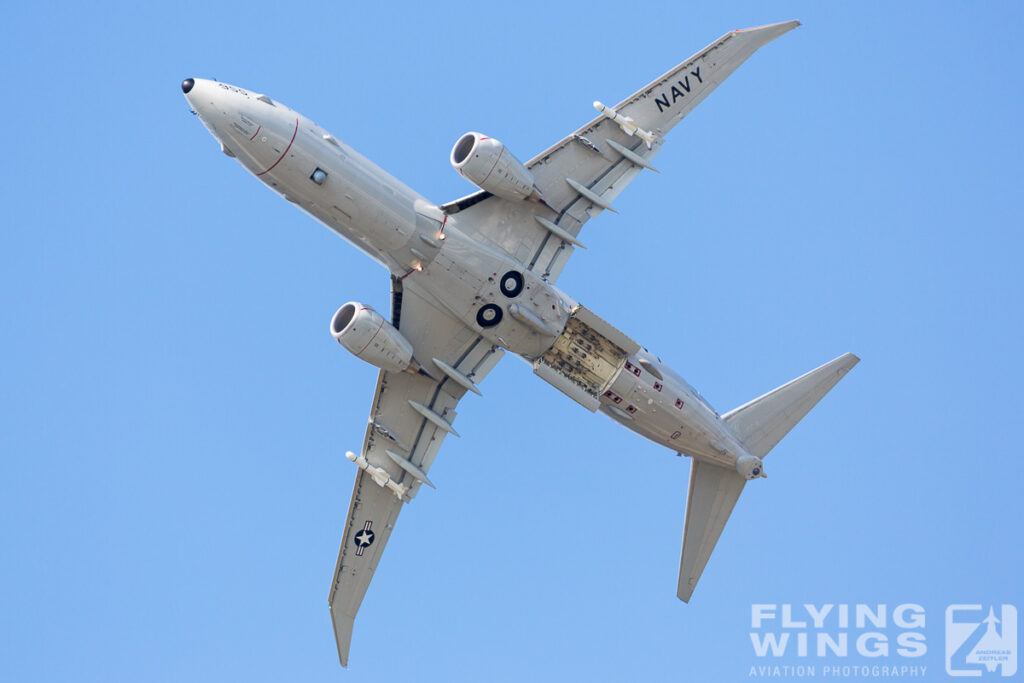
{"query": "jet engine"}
[(486, 163), (366, 333), (750, 467)]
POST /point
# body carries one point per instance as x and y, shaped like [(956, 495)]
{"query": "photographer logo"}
[(981, 640)]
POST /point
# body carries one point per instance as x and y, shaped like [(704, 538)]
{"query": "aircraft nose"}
[(187, 84)]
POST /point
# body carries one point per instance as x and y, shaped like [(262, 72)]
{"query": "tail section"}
[(759, 425), (763, 422), (713, 492)]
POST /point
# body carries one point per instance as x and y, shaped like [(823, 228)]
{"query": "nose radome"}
[(187, 84)]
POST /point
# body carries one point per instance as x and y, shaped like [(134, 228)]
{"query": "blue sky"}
[(175, 413)]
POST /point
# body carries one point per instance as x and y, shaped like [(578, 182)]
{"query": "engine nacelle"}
[(486, 163), (750, 467), (366, 333)]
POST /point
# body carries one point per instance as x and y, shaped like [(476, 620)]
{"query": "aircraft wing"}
[(396, 425), (579, 176)]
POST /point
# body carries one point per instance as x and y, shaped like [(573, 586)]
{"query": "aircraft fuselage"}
[(490, 292)]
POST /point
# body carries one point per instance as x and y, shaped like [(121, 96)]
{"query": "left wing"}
[(580, 176), (409, 418)]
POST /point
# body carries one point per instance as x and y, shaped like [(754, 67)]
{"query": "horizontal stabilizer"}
[(713, 493), (761, 423)]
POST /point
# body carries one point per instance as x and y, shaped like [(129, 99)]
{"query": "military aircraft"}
[(474, 278)]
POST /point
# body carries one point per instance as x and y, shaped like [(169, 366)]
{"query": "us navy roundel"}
[(364, 538)]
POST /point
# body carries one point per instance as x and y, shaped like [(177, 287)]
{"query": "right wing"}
[(583, 173), (396, 425)]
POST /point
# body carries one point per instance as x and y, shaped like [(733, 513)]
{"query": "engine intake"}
[(368, 336), (486, 163)]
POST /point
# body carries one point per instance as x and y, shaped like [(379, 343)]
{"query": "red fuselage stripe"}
[(285, 149)]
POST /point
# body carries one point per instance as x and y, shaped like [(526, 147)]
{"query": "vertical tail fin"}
[(759, 425)]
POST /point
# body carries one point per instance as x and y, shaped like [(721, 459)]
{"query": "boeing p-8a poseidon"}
[(474, 278)]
